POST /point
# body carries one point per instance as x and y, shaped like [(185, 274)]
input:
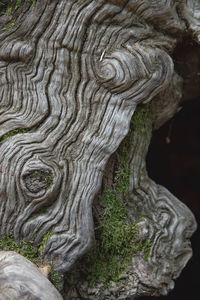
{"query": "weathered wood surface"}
[(159, 216), (20, 279), (72, 74)]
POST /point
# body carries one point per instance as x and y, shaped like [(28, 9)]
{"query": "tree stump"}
[(73, 76)]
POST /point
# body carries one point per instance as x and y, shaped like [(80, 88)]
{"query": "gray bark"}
[(159, 216), (72, 74)]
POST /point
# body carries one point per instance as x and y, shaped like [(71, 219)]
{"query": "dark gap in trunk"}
[(177, 166)]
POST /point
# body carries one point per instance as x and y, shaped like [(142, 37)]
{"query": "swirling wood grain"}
[(71, 75), (161, 218)]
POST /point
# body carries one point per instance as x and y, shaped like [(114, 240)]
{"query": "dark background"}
[(177, 166)]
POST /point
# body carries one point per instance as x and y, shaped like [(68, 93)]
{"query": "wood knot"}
[(117, 70)]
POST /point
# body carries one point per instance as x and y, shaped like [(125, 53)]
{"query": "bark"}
[(163, 224), (72, 74)]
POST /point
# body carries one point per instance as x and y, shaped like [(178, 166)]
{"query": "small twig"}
[(102, 55)]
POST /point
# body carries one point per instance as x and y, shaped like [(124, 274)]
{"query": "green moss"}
[(47, 177), (56, 279), (33, 2), (117, 241), (8, 26), (12, 5), (27, 249), (44, 241), (13, 132), (32, 253), (41, 211), (18, 4), (147, 248), (117, 238), (142, 119), (24, 248), (9, 7), (8, 11)]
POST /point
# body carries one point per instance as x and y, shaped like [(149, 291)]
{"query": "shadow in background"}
[(177, 166)]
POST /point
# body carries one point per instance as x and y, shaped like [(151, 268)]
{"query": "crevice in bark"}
[(177, 166), (186, 59), (173, 156)]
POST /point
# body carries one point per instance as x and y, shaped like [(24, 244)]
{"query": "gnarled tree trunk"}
[(72, 74)]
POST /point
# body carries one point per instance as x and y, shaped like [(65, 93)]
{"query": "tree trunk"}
[(72, 74), (142, 230)]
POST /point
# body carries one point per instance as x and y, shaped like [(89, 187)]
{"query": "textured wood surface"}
[(159, 216), (72, 74)]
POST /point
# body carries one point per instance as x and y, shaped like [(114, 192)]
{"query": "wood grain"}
[(72, 74)]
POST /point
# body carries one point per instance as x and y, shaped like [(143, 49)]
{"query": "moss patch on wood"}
[(117, 241), (10, 6), (10, 9), (33, 2), (32, 253), (44, 241), (9, 26), (46, 176), (13, 132), (143, 119), (26, 249), (117, 238)]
